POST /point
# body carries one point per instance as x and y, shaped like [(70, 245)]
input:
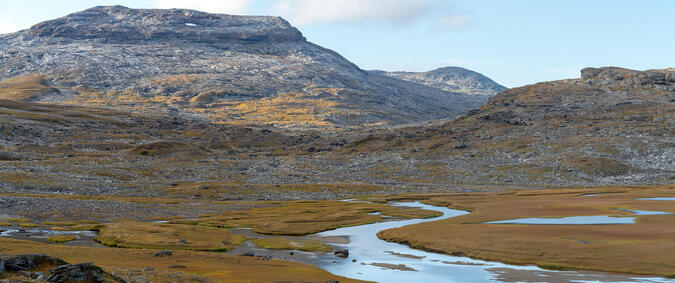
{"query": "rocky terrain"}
[(232, 69), (611, 126), (453, 79)]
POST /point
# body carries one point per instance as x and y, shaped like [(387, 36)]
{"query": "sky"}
[(514, 42)]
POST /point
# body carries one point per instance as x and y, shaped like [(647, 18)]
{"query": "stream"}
[(373, 259), (381, 261)]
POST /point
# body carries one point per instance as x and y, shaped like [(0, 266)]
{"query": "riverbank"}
[(645, 247)]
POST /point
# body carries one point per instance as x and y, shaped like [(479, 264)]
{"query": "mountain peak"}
[(454, 79), (122, 25)]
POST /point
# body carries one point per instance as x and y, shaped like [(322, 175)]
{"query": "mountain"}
[(610, 126), (453, 79), (230, 69)]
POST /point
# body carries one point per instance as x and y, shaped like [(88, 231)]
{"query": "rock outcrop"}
[(82, 272), (26, 265), (659, 79)]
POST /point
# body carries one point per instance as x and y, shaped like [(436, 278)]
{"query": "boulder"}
[(27, 262), (2, 266), (163, 253), (81, 272), (342, 253)]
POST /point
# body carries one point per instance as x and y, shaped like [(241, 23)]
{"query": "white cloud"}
[(304, 12), (212, 6), (7, 27), (453, 21)]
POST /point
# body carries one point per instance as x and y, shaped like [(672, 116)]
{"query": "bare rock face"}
[(454, 79), (121, 25), (195, 61)]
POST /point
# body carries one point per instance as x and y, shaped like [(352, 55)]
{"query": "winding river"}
[(381, 261), (373, 259)]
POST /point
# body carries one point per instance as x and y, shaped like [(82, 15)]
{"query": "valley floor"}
[(127, 232)]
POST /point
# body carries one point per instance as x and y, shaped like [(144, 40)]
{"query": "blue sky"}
[(514, 42)]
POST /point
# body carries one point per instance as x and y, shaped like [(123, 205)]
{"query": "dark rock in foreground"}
[(64, 272)]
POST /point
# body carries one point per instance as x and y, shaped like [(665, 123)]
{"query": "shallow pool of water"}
[(647, 212), (572, 220), (662, 199), (381, 261)]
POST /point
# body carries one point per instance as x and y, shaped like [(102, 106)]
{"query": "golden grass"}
[(61, 239), (23, 88), (286, 244), (58, 223), (16, 220), (306, 217), (213, 190), (598, 166), (217, 267), (29, 225), (167, 236), (646, 247)]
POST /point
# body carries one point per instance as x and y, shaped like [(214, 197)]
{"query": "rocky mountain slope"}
[(453, 79), (232, 69), (611, 126)]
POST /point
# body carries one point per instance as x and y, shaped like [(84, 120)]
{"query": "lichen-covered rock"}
[(81, 272)]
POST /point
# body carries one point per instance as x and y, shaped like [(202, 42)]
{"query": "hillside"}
[(240, 70), (611, 126), (453, 79)]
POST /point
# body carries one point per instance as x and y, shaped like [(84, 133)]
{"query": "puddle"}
[(573, 220), (581, 220), (661, 199), (646, 212)]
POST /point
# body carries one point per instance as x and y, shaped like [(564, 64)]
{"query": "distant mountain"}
[(453, 79), (231, 69)]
